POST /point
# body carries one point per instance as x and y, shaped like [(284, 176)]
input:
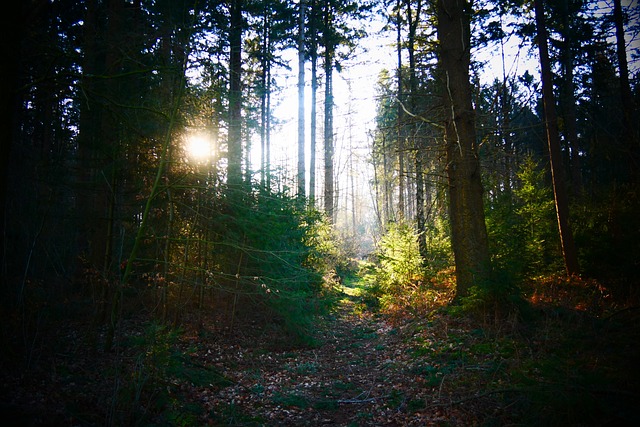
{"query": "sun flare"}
[(199, 147)]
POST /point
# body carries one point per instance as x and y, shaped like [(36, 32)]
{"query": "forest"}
[(320, 212)]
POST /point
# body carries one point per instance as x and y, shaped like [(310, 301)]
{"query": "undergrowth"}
[(569, 361)]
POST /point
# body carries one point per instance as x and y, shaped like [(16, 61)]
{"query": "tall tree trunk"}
[(328, 116), (568, 100), (413, 103), (12, 31), (387, 172), (328, 144), (268, 138), (90, 145), (234, 149), (301, 121), (265, 64), (399, 122), (628, 105), (314, 92), (505, 121), (468, 230), (553, 140), (352, 174)]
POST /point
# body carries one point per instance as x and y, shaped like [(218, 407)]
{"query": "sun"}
[(199, 147)]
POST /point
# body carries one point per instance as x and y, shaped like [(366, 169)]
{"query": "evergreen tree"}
[(553, 138), (466, 209)]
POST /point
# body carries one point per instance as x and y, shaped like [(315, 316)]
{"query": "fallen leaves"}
[(366, 370)]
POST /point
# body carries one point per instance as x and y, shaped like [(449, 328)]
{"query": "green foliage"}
[(498, 296), (161, 365), (328, 253), (401, 279), (607, 231), (399, 265), (438, 243), (536, 220), (523, 242), (273, 254), (522, 228)]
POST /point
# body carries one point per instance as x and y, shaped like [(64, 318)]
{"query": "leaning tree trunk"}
[(553, 140), (468, 229)]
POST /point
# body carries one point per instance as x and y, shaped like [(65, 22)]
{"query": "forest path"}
[(362, 372)]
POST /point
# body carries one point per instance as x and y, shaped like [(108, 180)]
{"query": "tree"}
[(553, 140), (270, 29), (234, 171), (313, 48), (329, 55), (413, 18), (466, 208), (301, 113), (94, 146), (12, 34), (382, 153), (628, 104), (338, 37), (399, 118), (571, 45)]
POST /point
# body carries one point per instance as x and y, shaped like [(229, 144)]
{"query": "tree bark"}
[(328, 116), (568, 100), (413, 22), (468, 230), (553, 140), (628, 104), (13, 27), (301, 112), (265, 64), (234, 148), (314, 110), (399, 119)]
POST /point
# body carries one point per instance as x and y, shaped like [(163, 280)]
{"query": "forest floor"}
[(565, 367)]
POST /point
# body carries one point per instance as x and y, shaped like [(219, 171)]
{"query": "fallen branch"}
[(365, 399), (359, 401), (477, 396)]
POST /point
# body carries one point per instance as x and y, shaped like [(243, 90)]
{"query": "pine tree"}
[(466, 208)]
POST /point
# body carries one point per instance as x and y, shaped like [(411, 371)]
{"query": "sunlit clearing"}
[(199, 148)]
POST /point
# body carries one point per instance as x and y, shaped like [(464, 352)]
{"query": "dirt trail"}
[(362, 373)]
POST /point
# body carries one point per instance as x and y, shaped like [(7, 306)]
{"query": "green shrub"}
[(607, 230), (152, 384), (439, 254), (522, 228), (536, 212), (398, 265), (273, 255)]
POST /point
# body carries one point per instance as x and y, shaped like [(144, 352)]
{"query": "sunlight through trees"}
[(194, 171)]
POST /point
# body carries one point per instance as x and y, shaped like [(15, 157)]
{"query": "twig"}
[(440, 388), (419, 117), (366, 399), (477, 396), (624, 310), (359, 401)]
